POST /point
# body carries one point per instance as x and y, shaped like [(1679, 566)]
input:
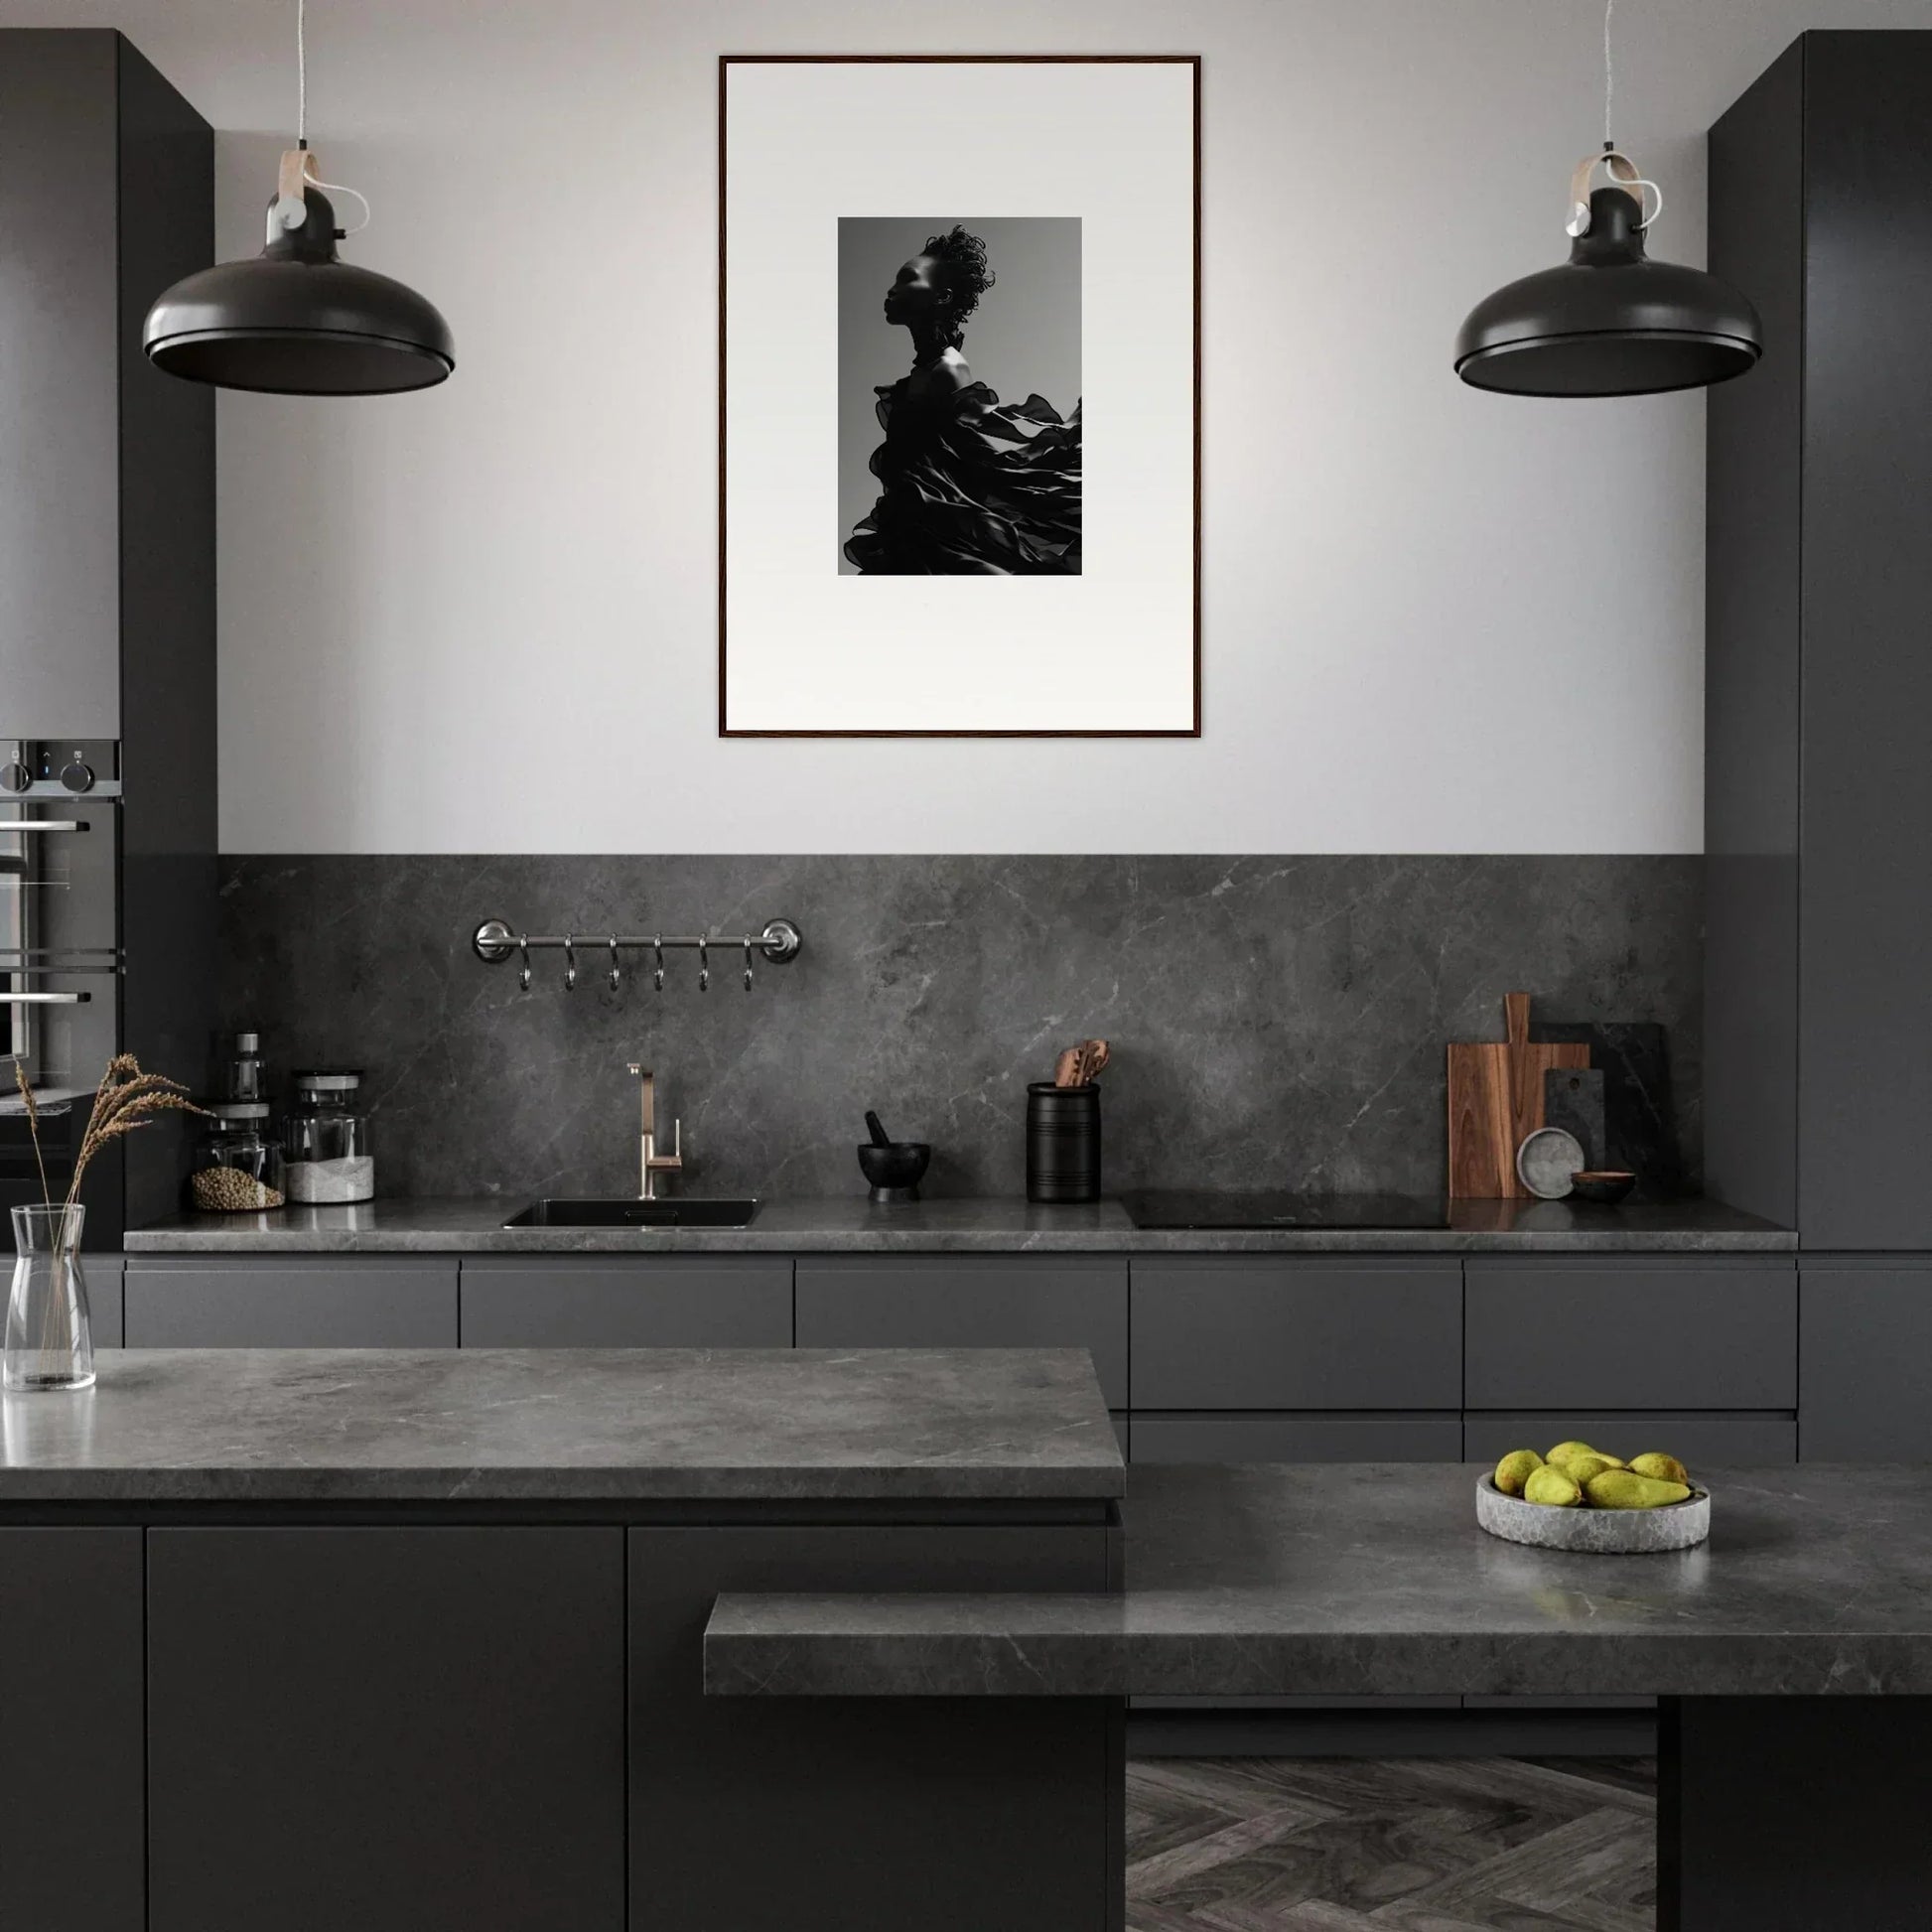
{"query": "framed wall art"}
[(959, 396)]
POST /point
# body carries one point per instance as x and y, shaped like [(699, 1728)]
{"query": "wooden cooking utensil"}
[(1496, 1100)]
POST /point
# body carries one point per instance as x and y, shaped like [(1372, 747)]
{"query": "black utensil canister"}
[(1062, 1143)]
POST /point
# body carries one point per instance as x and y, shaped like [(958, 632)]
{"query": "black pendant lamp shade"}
[(1610, 322), (299, 321)]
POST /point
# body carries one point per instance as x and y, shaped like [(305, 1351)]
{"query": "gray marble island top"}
[(558, 1426), (1373, 1579), (1001, 1225)]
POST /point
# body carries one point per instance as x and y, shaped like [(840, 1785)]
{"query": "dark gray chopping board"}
[(1572, 1099), (1639, 1122)]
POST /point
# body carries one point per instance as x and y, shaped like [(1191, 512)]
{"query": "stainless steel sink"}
[(672, 1213)]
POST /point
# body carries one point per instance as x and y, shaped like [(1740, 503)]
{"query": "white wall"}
[(482, 618)]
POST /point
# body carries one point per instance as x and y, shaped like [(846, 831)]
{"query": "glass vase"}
[(50, 1338)]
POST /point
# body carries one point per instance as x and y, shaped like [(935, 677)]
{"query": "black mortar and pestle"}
[(892, 1167)]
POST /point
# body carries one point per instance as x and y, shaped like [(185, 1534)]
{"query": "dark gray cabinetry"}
[(1868, 1361), (1603, 1334), (394, 1729), (1003, 1825), (107, 554), (103, 1273), (1701, 1439), (319, 1302), (71, 1837), (60, 524), (668, 1302), (1298, 1439), (1264, 1334), (107, 194), (1003, 1302), (1819, 579)]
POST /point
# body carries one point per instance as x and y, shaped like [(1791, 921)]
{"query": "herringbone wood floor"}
[(1391, 1845)]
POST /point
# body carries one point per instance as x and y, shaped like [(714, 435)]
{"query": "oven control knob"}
[(78, 776), (15, 776)]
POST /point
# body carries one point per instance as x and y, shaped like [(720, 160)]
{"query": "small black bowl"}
[(895, 1170), (1603, 1186)]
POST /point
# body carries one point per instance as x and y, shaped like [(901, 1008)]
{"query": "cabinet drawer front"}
[(1239, 1333), (1868, 1363), (443, 1706), (943, 1304), (333, 1305), (1609, 1335), (1703, 1441), (1298, 1439), (103, 1273), (700, 1303)]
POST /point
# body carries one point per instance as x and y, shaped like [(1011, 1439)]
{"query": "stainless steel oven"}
[(61, 953)]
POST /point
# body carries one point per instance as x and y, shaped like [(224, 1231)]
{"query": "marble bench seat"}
[(1373, 1579)]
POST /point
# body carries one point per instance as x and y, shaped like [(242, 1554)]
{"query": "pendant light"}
[(297, 319), (1608, 321)]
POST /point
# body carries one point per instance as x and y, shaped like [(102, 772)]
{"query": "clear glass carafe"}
[(50, 1340)]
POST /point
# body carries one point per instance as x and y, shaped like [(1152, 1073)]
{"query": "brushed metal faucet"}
[(650, 1164)]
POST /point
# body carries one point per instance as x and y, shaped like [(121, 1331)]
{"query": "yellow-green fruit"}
[(1580, 1467), (1515, 1470), (1564, 1451), (1625, 1490), (1666, 1468), (1550, 1485)]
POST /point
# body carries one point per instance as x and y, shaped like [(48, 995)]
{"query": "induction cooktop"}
[(1179, 1209)]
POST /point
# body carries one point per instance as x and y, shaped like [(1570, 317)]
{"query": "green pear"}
[(1666, 1468), (1550, 1485), (1625, 1490), (1515, 1470)]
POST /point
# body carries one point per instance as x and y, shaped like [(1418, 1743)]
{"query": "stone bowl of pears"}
[(1579, 1498)]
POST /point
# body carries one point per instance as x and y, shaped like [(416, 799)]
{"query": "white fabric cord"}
[(1610, 73)]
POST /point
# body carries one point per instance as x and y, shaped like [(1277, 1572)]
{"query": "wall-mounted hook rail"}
[(495, 940)]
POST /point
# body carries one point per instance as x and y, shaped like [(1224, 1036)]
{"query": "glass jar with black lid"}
[(325, 1136)]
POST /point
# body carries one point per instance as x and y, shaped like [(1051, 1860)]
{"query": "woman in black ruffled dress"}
[(970, 487)]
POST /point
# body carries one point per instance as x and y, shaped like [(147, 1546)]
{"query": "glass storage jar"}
[(239, 1071), (237, 1163), (327, 1139)]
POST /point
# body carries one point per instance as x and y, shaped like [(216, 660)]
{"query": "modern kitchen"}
[(1235, 1247)]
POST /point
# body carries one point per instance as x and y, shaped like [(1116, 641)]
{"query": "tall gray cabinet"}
[(1818, 1110), (106, 590)]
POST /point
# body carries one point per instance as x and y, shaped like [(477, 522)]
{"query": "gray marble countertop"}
[(558, 1425), (1373, 1579), (991, 1226)]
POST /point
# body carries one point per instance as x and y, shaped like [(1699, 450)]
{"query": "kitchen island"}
[(1793, 1651), (413, 1639)]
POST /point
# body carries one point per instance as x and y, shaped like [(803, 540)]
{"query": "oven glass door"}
[(59, 956)]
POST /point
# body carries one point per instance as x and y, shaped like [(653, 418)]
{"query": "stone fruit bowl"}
[(1600, 1532)]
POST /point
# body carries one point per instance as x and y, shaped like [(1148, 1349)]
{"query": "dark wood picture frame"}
[(728, 61)]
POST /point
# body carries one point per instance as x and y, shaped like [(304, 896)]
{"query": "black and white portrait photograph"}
[(959, 336), (965, 461)]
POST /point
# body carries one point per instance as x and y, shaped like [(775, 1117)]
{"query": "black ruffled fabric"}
[(972, 488)]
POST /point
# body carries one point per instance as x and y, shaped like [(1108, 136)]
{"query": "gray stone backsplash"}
[(1275, 1022)]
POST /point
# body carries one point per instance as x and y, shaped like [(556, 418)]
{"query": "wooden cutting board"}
[(1496, 1100)]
